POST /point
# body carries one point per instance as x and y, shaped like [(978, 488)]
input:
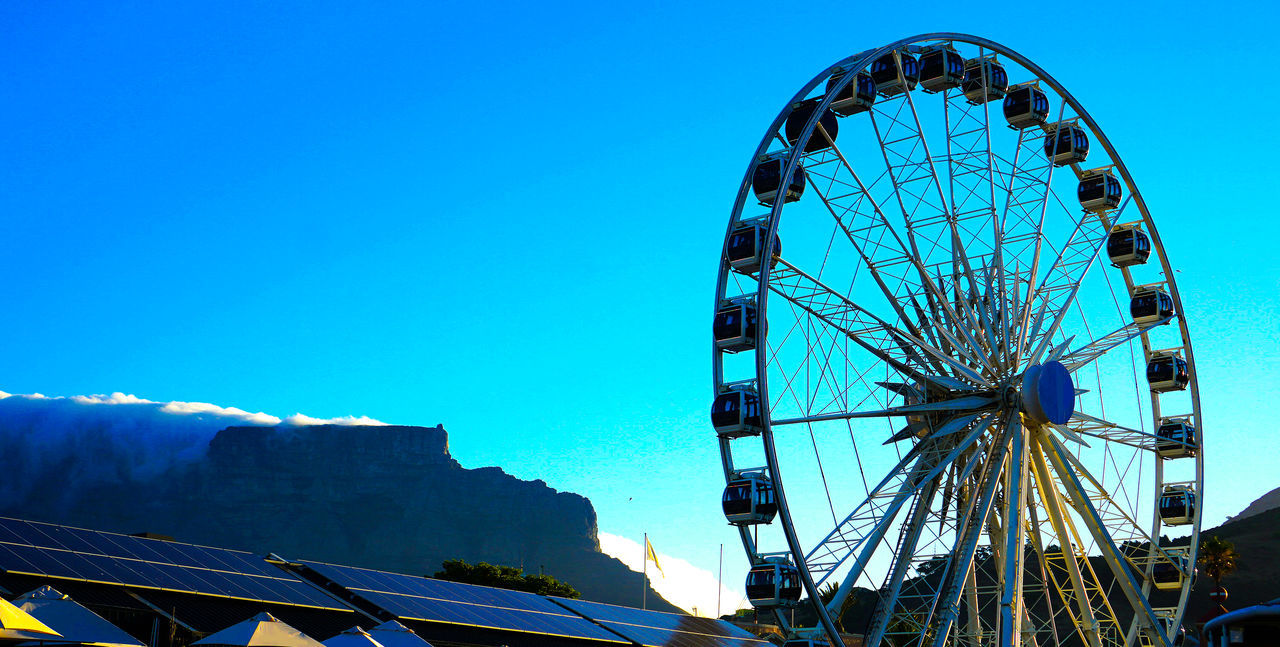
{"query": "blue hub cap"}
[(1048, 394)]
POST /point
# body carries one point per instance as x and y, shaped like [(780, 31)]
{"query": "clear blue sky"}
[(506, 218)]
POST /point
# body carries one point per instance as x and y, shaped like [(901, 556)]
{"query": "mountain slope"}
[(385, 497)]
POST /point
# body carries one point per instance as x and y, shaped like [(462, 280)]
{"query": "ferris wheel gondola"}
[(950, 409)]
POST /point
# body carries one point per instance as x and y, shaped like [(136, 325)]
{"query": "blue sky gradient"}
[(506, 217)]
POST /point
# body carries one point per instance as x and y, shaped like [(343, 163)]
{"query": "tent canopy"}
[(353, 637), (394, 634), (74, 622), (17, 625), (262, 630)]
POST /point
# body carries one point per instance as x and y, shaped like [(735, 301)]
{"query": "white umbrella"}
[(394, 634), (17, 625), (76, 623), (262, 630), (353, 637)]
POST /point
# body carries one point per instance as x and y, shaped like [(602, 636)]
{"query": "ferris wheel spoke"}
[(947, 606), (1107, 511), (1086, 425), (868, 331), (1037, 203), (877, 243), (1085, 355), (909, 537), (1083, 504), (1062, 283), (1021, 227), (1009, 547), (957, 405), (1073, 590), (867, 236), (971, 183), (909, 165), (955, 212), (861, 531), (1034, 530)]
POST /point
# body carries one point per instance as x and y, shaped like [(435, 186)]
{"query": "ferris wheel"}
[(963, 351)]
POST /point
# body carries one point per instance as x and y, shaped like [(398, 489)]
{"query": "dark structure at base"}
[(168, 594)]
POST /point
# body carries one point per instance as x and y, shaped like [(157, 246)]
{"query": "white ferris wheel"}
[(945, 321)]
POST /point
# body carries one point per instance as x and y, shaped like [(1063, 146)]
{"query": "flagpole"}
[(644, 579), (720, 580)]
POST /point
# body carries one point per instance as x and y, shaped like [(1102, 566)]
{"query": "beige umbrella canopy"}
[(262, 630), (76, 623), (353, 637), (17, 625), (394, 634)]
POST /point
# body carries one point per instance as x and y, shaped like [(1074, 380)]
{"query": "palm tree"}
[(827, 594), (1218, 558)]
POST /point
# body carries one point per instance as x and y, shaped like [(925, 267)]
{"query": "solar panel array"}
[(664, 629), (420, 598), (33, 548), (29, 548)]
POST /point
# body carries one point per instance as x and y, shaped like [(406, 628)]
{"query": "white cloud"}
[(301, 419), (680, 582), (89, 439)]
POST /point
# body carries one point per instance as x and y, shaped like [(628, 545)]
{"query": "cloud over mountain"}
[(113, 438)]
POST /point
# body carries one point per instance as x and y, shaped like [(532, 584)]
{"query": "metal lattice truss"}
[(930, 269)]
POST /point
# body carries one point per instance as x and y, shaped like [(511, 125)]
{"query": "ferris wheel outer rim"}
[(859, 61)]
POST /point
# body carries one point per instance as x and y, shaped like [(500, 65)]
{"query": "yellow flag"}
[(650, 555)]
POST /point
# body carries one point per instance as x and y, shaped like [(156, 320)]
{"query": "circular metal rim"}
[(858, 62)]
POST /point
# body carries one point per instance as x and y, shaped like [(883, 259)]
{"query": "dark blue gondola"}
[(856, 97), (748, 499), (984, 80), (1166, 576), (766, 182), (1149, 305), (735, 413), (773, 583), (734, 328), (1025, 106), (746, 248), (800, 116), (885, 72), (1177, 505), (1099, 191), (941, 69), (1127, 245), (1066, 143), (1167, 372), (1176, 438)]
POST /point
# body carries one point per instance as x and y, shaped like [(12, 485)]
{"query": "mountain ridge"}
[(385, 497)]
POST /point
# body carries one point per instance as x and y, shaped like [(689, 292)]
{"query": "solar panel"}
[(72, 553), (664, 629), (428, 600)]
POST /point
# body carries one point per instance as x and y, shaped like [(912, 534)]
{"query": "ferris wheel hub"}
[(1048, 393)]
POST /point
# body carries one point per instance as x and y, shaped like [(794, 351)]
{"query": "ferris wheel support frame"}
[(1018, 444)]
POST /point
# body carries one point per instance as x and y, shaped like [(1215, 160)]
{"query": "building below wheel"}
[(170, 594)]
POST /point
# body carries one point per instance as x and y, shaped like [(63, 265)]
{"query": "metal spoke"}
[(867, 330), (1083, 356), (863, 528), (1145, 617), (947, 607)]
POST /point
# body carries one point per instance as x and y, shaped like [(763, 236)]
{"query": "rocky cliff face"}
[(386, 497)]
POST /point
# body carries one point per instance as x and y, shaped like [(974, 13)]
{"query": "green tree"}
[(504, 577), (1218, 558), (827, 594)]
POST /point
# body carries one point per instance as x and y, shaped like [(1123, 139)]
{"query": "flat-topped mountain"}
[(385, 497)]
